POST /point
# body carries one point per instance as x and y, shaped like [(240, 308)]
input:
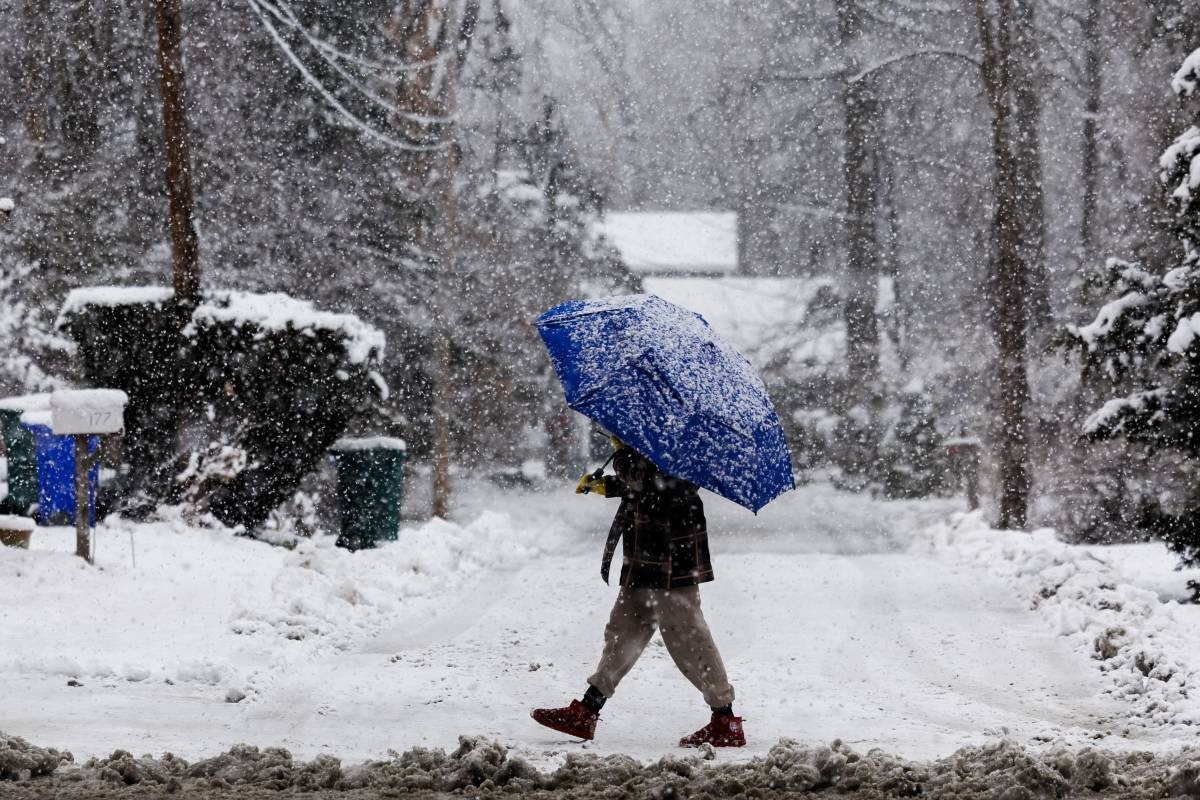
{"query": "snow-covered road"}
[(832, 627)]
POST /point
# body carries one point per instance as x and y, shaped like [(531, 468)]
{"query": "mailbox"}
[(88, 411)]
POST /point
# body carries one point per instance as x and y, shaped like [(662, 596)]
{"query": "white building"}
[(675, 243)]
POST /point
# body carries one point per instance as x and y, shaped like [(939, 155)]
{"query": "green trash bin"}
[(370, 483), (22, 463)]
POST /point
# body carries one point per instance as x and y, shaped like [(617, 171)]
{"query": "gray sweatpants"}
[(675, 612)]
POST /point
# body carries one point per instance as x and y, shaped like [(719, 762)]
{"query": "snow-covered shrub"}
[(229, 412), (1140, 352), (129, 339)]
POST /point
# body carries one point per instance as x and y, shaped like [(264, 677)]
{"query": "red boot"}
[(723, 731), (575, 720)]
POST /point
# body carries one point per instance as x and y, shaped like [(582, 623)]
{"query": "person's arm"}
[(614, 486), (635, 473)]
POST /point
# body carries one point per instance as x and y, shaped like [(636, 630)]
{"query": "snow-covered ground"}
[(839, 616)]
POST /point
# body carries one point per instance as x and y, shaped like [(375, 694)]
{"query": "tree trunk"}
[(184, 242), (1009, 278), (1089, 155), (428, 35), (35, 70), (1026, 80), (861, 172)]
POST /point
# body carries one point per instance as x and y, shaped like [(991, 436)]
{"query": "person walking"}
[(665, 545)]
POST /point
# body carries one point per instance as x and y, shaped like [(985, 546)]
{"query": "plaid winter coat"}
[(661, 520)]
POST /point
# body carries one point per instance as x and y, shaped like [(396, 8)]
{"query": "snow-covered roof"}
[(674, 242)]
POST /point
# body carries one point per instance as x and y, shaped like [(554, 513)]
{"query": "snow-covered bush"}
[(257, 387), (1140, 353)]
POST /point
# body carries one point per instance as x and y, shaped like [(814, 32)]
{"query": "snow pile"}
[(276, 311), (20, 761), (1146, 648), (483, 768), (153, 577), (325, 592)]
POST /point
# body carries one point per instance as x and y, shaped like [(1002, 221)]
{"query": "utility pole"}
[(184, 243)]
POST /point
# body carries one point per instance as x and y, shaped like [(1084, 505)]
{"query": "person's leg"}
[(629, 629), (690, 643), (630, 626)]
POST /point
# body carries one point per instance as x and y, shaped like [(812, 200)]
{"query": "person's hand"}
[(590, 483)]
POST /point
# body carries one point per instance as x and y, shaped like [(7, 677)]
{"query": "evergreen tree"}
[(1141, 349)]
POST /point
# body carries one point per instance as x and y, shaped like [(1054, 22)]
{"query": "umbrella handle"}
[(599, 473)]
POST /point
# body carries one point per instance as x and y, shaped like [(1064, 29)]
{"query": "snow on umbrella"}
[(658, 377)]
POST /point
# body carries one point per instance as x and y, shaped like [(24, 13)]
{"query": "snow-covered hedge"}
[(260, 386)]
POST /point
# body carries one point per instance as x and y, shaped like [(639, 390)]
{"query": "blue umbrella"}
[(658, 377)]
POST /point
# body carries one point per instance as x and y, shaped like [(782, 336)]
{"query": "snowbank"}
[(325, 592), (1145, 644), (175, 603), (483, 768)]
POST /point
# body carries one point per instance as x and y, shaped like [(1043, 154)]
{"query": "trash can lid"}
[(12, 522), (370, 443)]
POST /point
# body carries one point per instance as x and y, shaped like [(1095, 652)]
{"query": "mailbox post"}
[(964, 453), (85, 413)]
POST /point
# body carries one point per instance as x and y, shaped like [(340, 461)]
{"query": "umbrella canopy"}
[(658, 377)]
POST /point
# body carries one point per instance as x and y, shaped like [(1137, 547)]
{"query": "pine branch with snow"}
[(1143, 346)]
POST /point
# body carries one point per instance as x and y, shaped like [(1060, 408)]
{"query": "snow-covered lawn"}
[(839, 617)]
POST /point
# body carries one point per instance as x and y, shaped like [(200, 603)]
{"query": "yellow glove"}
[(588, 484)]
